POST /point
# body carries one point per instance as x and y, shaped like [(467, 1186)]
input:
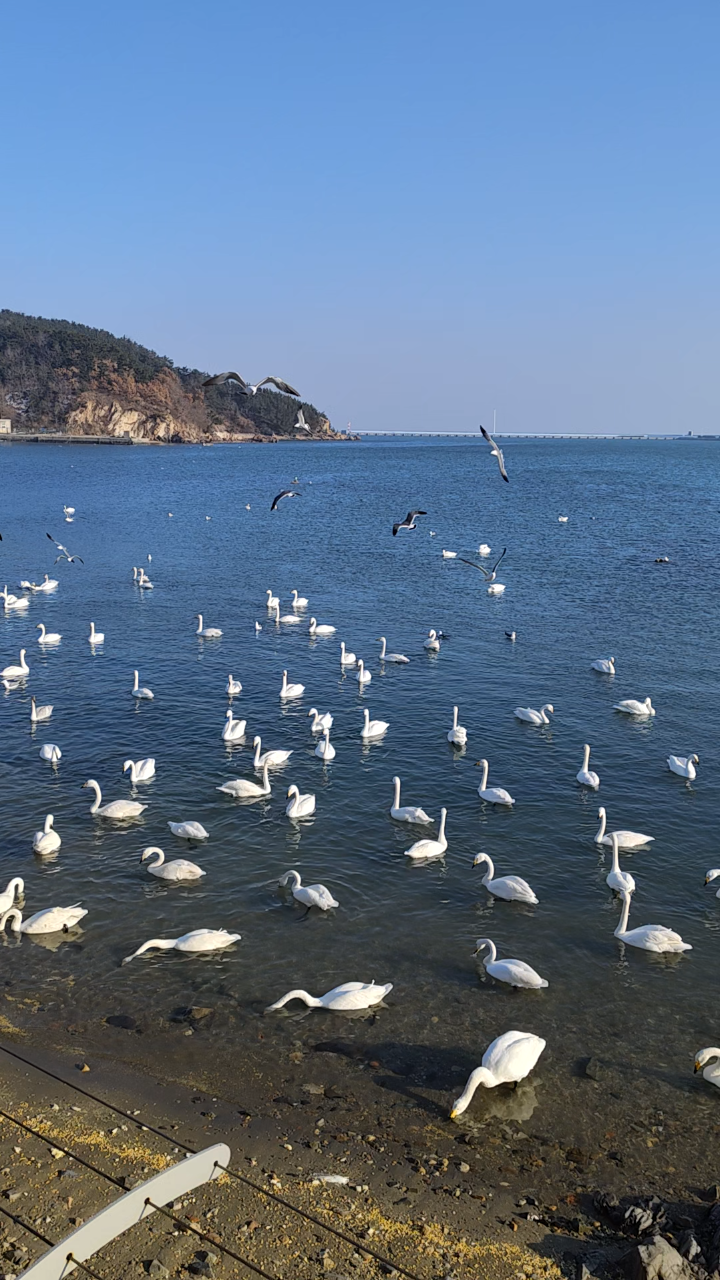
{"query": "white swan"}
[(16, 672), (37, 714), (627, 840), (206, 633), (632, 707), (311, 895), (713, 875), (258, 627), (320, 723), (47, 840), (137, 692), (116, 810), (707, 1061), (48, 584), (321, 629), (349, 995), (457, 736), (177, 869), (509, 888), (510, 1058), (50, 752), (373, 728), (449, 555), (16, 603), (273, 602), (325, 749), (585, 776), (530, 716), (346, 659), (605, 665), (649, 937), (140, 770), (300, 806), (69, 511), (8, 596), (515, 972), (290, 691), (290, 619), (406, 813), (244, 789), (232, 687), (188, 830), (271, 758), (684, 766), (47, 637), (496, 588), (300, 602), (51, 920), (432, 644), (617, 880), (14, 888), (198, 940), (426, 849), (96, 637), (363, 676), (144, 581), (562, 519), (390, 657), (233, 730), (484, 549), (493, 795)]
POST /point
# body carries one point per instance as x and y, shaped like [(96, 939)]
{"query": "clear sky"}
[(414, 211)]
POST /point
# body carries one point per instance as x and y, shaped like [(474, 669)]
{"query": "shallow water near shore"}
[(575, 592)]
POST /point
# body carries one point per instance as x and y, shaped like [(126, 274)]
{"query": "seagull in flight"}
[(489, 574), (249, 388), (286, 493), (301, 421), (64, 553), (496, 451), (408, 522)]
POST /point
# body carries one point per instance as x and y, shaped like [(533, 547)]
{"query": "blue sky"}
[(416, 212)]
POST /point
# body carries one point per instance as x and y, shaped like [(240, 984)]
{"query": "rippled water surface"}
[(575, 591)]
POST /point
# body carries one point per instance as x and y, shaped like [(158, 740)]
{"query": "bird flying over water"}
[(301, 421), (249, 388), (286, 493), (488, 574), (64, 553), (408, 522), (496, 451)]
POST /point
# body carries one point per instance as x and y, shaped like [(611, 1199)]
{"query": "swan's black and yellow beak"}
[(698, 1067), (453, 1114)]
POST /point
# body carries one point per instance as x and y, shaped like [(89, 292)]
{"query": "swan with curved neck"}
[(233, 730), (271, 758), (627, 840), (633, 707), (349, 995), (408, 812), (47, 840), (585, 776), (311, 895), (457, 736), (509, 888), (197, 941), (289, 691), (649, 937), (273, 602), (617, 880), (372, 728), (300, 602), (363, 676), (176, 870), (232, 687), (206, 633), (510, 1058), (713, 875), (290, 619), (51, 920), (14, 889), (432, 644), (244, 789), (683, 766), (530, 716), (140, 770), (515, 972), (16, 672), (137, 691), (37, 714), (320, 723), (605, 665), (347, 659), (300, 806), (708, 1061), (116, 810), (47, 637), (424, 850), (493, 795), (325, 749), (390, 657), (14, 603), (96, 637), (321, 629)]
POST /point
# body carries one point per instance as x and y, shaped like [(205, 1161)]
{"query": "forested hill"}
[(59, 376)]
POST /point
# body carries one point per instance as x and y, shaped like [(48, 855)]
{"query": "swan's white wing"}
[(513, 1055)]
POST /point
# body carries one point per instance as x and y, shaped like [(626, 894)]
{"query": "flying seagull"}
[(301, 421), (408, 522), (489, 574), (64, 553), (250, 388), (496, 451), (286, 493)]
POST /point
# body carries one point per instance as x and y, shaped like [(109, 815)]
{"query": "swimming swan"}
[(631, 707), (271, 758), (47, 840), (177, 869), (206, 633), (273, 602), (406, 813), (363, 676), (188, 830), (684, 766), (39, 713), (426, 849), (585, 776), (617, 880), (311, 895), (711, 1071), (515, 972), (140, 770), (96, 637), (289, 618), (496, 588), (137, 692), (627, 840), (232, 687), (713, 875), (49, 751), (242, 788), (325, 749), (14, 888), (16, 603), (373, 728), (321, 629), (432, 644), (116, 810), (198, 940), (390, 657), (534, 717), (47, 637), (605, 665), (349, 995), (233, 730), (510, 1058), (346, 659), (449, 555), (16, 672), (300, 602), (458, 734), (649, 937), (493, 795), (509, 888), (299, 806), (51, 920), (484, 549), (289, 691), (320, 723)]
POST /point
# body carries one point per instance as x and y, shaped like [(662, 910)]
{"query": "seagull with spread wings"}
[(64, 553), (301, 423), (408, 522), (249, 388), (489, 574), (286, 493), (496, 452)]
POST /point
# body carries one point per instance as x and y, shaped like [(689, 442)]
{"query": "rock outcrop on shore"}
[(63, 377)]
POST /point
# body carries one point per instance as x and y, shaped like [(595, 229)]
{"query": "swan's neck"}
[(159, 858), (15, 918), (48, 823), (137, 681), (311, 1001), (479, 1076), (382, 651), (441, 832), (483, 780), (622, 927), (601, 828), (586, 759), (258, 746), (615, 855), (491, 950), (397, 794), (293, 879), (455, 717), (490, 873), (543, 713), (98, 796)]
